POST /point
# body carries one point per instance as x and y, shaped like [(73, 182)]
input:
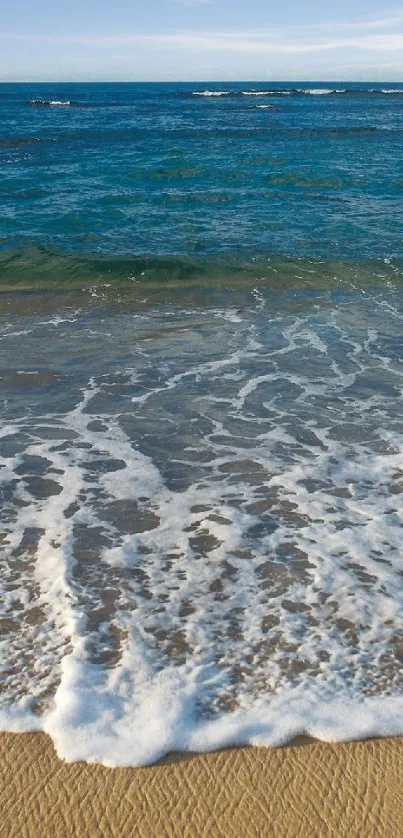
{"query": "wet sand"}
[(309, 789)]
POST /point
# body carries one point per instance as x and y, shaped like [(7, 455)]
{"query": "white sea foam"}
[(320, 91), (49, 102), (256, 92), (265, 107), (212, 93), (387, 90), (202, 537)]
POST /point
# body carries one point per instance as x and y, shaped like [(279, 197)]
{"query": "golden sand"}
[(310, 789)]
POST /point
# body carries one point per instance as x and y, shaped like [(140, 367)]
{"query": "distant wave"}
[(323, 91), (320, 91), (302, 91), (314, 91), (50, 103), (387, 90), (233, 92), (265, 107), (213, 92)]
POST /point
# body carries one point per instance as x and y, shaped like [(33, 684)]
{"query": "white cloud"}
[(337, 49), (366, 34), (252, 42)]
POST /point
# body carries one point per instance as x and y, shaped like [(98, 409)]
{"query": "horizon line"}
[(327, 80)]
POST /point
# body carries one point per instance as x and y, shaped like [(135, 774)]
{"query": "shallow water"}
[(201, 476)]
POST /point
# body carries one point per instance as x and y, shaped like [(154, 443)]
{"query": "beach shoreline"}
[(201, 458), (306, 788)]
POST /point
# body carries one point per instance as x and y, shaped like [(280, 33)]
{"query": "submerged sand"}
[(309, 789)]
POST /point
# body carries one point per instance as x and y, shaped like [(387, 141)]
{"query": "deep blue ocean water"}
[(157, 169), (201, 443)]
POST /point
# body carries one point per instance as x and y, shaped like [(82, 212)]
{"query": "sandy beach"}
[(307, 789)]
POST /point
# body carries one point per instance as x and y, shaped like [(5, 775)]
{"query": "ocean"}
[(201, 439)]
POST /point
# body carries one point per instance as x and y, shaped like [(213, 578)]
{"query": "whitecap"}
[(320, 91), (49, 102), (212, 93)]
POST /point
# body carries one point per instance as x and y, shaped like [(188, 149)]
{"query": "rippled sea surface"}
[(201, 440)]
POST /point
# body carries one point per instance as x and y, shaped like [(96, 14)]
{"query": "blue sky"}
[(200, 39)]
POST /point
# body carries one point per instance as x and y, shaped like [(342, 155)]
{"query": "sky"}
[(169, 40)]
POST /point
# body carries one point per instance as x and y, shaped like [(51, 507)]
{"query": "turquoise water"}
[(155, 169), (201, 448)]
